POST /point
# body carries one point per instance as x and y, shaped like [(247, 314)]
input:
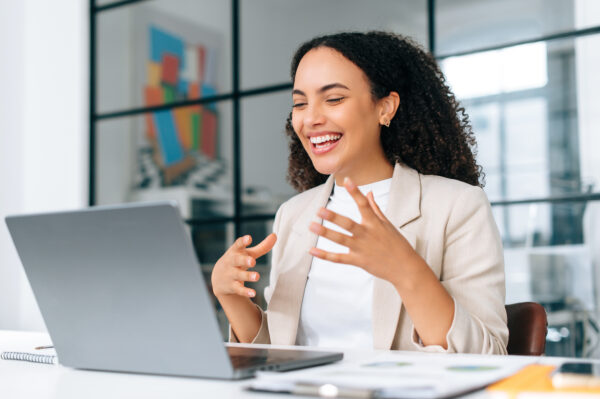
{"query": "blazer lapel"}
[(404, 206), (285, 305)]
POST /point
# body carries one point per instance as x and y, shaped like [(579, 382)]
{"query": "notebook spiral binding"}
[(29, 357)]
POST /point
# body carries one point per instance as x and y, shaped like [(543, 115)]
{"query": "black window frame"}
[(236, 95)]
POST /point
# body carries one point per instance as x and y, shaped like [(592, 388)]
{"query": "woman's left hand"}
[(375, 244)]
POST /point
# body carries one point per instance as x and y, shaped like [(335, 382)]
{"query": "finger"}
[(241, 260), (239, 289), (335, 218), (374, 206), (247, 276), (332, 257), (359, 198), (242, 242), (263, 247), (335, 236)]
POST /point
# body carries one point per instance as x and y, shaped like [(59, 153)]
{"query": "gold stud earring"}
[(386, 123)]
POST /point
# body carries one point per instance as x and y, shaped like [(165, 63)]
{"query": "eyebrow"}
[(323, 89)]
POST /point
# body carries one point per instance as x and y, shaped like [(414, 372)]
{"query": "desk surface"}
[(31, 380)]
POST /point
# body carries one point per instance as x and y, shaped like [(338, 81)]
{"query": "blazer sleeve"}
[(473, 274), (262, 336)]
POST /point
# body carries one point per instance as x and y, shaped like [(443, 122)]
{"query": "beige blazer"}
[(449, 223)]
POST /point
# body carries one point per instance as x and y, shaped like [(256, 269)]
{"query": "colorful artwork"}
[(179, 71)]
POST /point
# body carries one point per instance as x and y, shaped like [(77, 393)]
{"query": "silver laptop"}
[(120, 289)]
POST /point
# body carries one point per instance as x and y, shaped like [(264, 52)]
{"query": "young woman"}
[(391, 243)]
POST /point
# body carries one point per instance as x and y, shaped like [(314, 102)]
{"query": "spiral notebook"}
[(45, 357)]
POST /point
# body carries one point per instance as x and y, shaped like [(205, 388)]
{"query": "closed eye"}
[(335, 100), (298, 105)]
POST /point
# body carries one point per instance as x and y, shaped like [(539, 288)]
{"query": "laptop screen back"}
[(120, 289)]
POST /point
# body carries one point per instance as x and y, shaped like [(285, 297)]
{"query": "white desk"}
[(40, 381)]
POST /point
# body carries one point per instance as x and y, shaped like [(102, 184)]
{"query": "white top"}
[(337, 304)]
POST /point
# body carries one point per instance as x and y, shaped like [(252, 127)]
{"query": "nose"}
[(313, 115)]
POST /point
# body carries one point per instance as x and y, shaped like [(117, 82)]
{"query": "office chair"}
[(527, 328)]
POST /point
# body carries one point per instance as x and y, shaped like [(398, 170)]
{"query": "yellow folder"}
[(535, 378)]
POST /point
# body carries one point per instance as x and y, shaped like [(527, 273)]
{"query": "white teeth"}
[(327, 137)]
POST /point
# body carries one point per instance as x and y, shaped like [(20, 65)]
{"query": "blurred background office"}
[(124, 101)]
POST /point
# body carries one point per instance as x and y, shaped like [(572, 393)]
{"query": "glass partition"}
[(272, 30), (556, 265), (265, 152), (466, 25)]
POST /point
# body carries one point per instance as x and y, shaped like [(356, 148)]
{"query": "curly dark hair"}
[(430, 131)]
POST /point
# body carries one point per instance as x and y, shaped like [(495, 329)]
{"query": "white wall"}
[(11, 122), (43, 129)]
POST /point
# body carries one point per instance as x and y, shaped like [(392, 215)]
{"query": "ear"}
[(388, 106)]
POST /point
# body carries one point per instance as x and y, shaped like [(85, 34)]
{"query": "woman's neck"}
[(374, 171)]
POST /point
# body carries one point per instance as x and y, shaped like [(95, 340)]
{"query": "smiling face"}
[(336, 118)]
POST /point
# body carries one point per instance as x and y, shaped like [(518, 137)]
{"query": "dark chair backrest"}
[(527, 328)]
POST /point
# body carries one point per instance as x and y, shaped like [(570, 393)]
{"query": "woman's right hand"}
[(231, 270)]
